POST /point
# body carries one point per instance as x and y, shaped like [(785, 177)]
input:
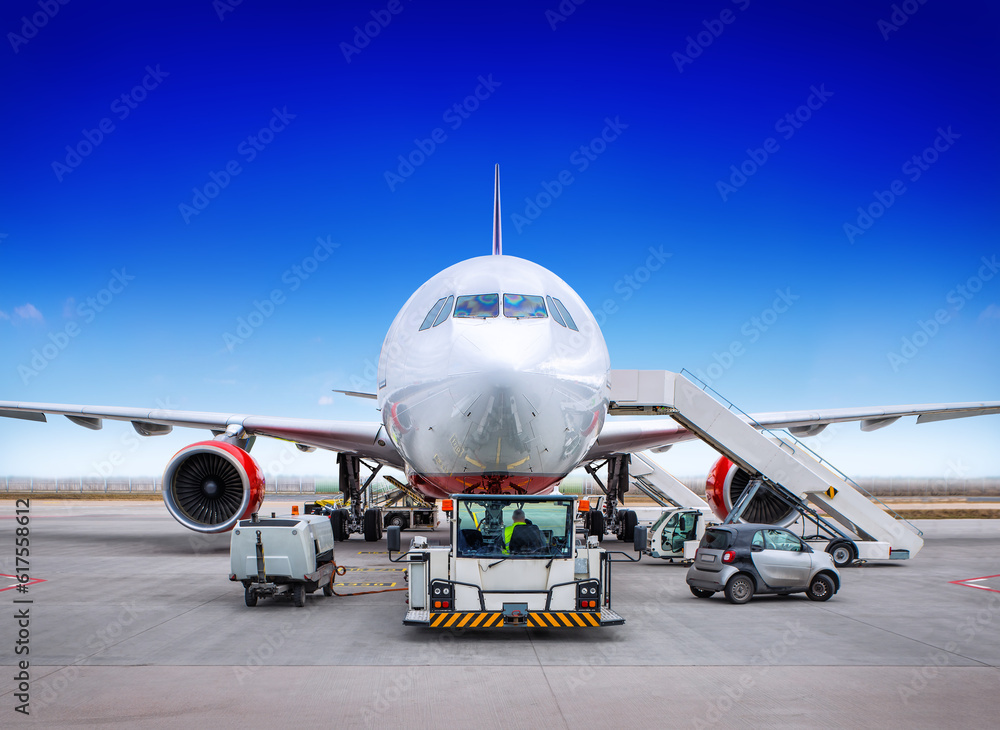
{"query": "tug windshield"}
[(502, 528)]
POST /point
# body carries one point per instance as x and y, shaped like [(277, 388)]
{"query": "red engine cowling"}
[(727, 481), (211, 485)]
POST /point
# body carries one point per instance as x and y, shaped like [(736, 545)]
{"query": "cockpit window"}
[(559, 307), (445, 311), (523, 306), (555, 312), (426, 324), (477, 305)]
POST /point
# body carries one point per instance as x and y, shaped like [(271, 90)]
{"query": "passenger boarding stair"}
[(784, 465), (661, 486)]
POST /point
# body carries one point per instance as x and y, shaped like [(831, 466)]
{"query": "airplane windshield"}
[(504, 529), (432, 314), (523, 306), (477, 305), (561, 308)]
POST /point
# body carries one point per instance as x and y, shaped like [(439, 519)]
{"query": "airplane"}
[(493, 378)]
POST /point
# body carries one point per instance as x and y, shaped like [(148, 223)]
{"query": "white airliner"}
[(492, 378)]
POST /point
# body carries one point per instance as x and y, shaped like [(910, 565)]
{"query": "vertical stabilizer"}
[(497, 243)]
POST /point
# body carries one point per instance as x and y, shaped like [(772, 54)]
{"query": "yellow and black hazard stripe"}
[(563, 619), (494, 620), (462, 620)]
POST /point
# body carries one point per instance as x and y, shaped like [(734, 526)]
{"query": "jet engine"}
[(211, 485), (726, 482)]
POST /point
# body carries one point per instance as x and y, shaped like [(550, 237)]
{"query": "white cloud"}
[(991, 312), (29, 312), (325, 400)]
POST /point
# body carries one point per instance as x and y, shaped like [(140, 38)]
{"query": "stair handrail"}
[(695, 380)]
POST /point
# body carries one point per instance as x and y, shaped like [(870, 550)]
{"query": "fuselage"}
[(493, 378)]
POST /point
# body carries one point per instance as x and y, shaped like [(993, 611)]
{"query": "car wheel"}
[(739, 589), (842, 554), (821, 588), (701, 592), (249, 597), (299, 594)]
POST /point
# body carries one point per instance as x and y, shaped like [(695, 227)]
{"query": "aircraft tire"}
[(371, 525), (597, 524), (629, 520)]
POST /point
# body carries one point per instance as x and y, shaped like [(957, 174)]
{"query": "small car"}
[(744, 559)]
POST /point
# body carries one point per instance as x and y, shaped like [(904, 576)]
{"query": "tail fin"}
[(497, 243)]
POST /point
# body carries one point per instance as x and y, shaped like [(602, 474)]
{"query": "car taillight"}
[(728, 556)]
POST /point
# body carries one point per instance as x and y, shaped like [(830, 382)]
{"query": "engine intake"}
[(726, 482), (211, 485)]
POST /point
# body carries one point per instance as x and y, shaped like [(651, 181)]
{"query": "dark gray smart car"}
[(744, 559)]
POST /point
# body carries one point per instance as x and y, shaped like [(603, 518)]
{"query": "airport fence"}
[(879, 486)]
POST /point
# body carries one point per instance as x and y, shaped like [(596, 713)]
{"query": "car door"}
[(780, 558)]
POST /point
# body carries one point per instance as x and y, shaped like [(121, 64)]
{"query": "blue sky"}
[(167, 170)]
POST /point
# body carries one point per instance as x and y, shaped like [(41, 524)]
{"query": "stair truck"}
[(511, 561)]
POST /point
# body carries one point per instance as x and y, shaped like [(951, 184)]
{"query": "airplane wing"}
[(367, 439), (619, 437)]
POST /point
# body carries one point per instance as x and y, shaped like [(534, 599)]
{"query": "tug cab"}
[(533, 569)]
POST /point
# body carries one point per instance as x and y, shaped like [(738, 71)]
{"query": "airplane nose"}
[(498, 352)]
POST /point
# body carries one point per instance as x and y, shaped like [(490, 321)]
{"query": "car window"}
[(781, 540), (758, 539), (716, 539)]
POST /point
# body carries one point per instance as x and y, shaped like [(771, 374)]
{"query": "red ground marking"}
[(15, 582), (968, 583)]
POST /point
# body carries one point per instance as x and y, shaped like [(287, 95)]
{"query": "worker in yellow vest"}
[(518, 519)]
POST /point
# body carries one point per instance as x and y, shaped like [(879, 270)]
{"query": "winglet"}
[(497, 243)]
